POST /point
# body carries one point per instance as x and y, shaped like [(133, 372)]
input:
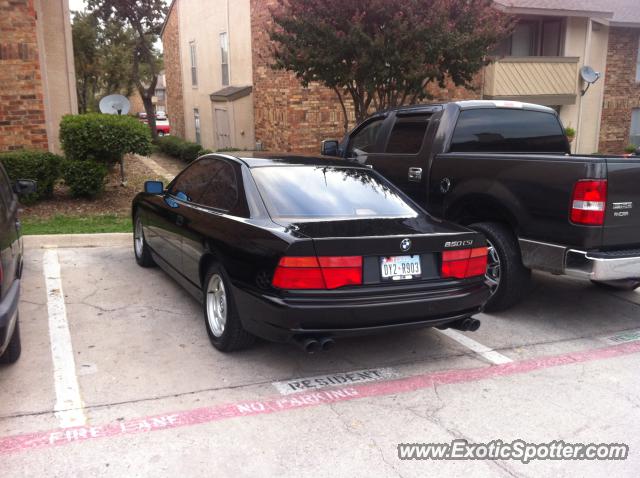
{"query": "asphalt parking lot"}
[(118, 378)]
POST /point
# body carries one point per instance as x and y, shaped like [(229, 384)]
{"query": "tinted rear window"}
[(508, 131), (316, 192)]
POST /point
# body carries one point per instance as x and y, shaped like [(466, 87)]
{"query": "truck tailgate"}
[(622, 222)]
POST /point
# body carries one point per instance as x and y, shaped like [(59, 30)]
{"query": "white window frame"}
[(224, 58), (194, 63)]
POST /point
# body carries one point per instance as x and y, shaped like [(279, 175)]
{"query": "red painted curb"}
[(38, 440)]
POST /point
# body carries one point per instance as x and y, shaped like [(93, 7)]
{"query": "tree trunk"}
[(151, 114)]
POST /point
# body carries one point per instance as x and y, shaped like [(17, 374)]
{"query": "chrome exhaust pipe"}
[(309, 345), (465, 325), (326, 344)]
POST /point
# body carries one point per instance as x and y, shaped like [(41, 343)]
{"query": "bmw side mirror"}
[(153, 187), (329, 147), (25, 186), (637, 152)]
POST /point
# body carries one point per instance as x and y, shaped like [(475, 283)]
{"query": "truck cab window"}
[(365, 140), (407, 134), (500, 130)]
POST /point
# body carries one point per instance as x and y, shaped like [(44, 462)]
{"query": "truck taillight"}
[(324, 272), (464, 263), (589, 202)]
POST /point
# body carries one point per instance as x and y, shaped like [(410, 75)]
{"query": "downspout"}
[(587, 50)]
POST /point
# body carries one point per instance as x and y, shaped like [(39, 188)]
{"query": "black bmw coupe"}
[(304, 250)]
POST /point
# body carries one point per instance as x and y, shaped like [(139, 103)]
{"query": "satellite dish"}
[(589, 76), (115, 105)]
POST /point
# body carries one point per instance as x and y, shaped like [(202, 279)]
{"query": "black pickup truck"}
[(505, 169)]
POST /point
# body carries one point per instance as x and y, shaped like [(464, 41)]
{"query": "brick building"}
[(37, 73), (205, 40)]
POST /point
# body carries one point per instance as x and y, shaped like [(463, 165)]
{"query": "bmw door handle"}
[(179, 220), (415, 175)]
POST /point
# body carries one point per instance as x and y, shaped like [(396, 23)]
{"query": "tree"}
[(103, 55), (145, 19), (384, 53), (85, 53)]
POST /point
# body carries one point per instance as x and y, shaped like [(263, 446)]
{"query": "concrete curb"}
[(118, 239)]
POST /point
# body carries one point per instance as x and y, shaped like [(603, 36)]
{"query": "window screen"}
[(194, 64), (503, 130), (407, 134)]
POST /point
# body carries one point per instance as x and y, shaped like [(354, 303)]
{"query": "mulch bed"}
[(116, 199)]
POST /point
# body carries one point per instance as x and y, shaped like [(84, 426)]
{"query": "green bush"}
[(104, 138), (171, 145), (180, 149), (84, 178), (190, 152), (40, 166), (630, 148)]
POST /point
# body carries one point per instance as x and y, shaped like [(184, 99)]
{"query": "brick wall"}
[(22, 119), (621, 91), (173, 72), (289, 117)]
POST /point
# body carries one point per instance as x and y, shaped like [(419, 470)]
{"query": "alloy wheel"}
[(492, 276), (216, 305)]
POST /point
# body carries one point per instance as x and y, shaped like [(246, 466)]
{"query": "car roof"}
[(464, 105), (259, 159)]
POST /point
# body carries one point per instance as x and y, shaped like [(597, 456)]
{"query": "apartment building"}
[(37, 73), (221, 86)]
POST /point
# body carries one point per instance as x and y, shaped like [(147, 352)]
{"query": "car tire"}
[(160, 134), (13, 350), (624, 284), (140, 247), (221, 318), (510, 281)]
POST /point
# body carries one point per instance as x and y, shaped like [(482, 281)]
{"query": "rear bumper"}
[(563, 260), (349, 313), (8, 314), (603, 266)]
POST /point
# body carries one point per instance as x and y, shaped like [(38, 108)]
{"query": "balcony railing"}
[(547, 80)]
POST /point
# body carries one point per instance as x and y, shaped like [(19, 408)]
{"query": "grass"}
[(60, 224)]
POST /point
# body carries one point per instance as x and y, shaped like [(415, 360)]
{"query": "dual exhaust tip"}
[(312, 345)]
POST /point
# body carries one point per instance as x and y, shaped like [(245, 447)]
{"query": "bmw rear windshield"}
[(299, 193)]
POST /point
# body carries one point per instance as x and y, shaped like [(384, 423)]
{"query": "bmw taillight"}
[(464, 263), (589, 202), (324, 272)]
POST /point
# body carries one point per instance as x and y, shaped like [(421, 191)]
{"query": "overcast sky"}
[(77, 4)]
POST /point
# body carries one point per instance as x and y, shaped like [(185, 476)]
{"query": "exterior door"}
[(223, 134)]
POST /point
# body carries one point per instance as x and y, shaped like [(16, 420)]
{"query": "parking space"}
[(147, 394)]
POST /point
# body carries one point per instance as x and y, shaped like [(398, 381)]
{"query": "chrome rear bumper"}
[(603, 266)]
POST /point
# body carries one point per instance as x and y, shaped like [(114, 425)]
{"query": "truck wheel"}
[(624, 284), (221, 316), (506, 276), (12, 353)]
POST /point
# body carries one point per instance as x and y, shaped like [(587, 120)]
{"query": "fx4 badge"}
[(458, 243)]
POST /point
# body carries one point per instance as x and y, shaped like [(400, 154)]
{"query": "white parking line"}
[(482, 350), (68, 407)]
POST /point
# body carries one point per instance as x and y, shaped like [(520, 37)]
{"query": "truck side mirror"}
[(329, 148), (25, 186)]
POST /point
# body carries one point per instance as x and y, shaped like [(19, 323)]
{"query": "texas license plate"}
[(400, 267)]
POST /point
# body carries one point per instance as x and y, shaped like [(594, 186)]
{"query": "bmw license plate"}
[(400, 267)]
